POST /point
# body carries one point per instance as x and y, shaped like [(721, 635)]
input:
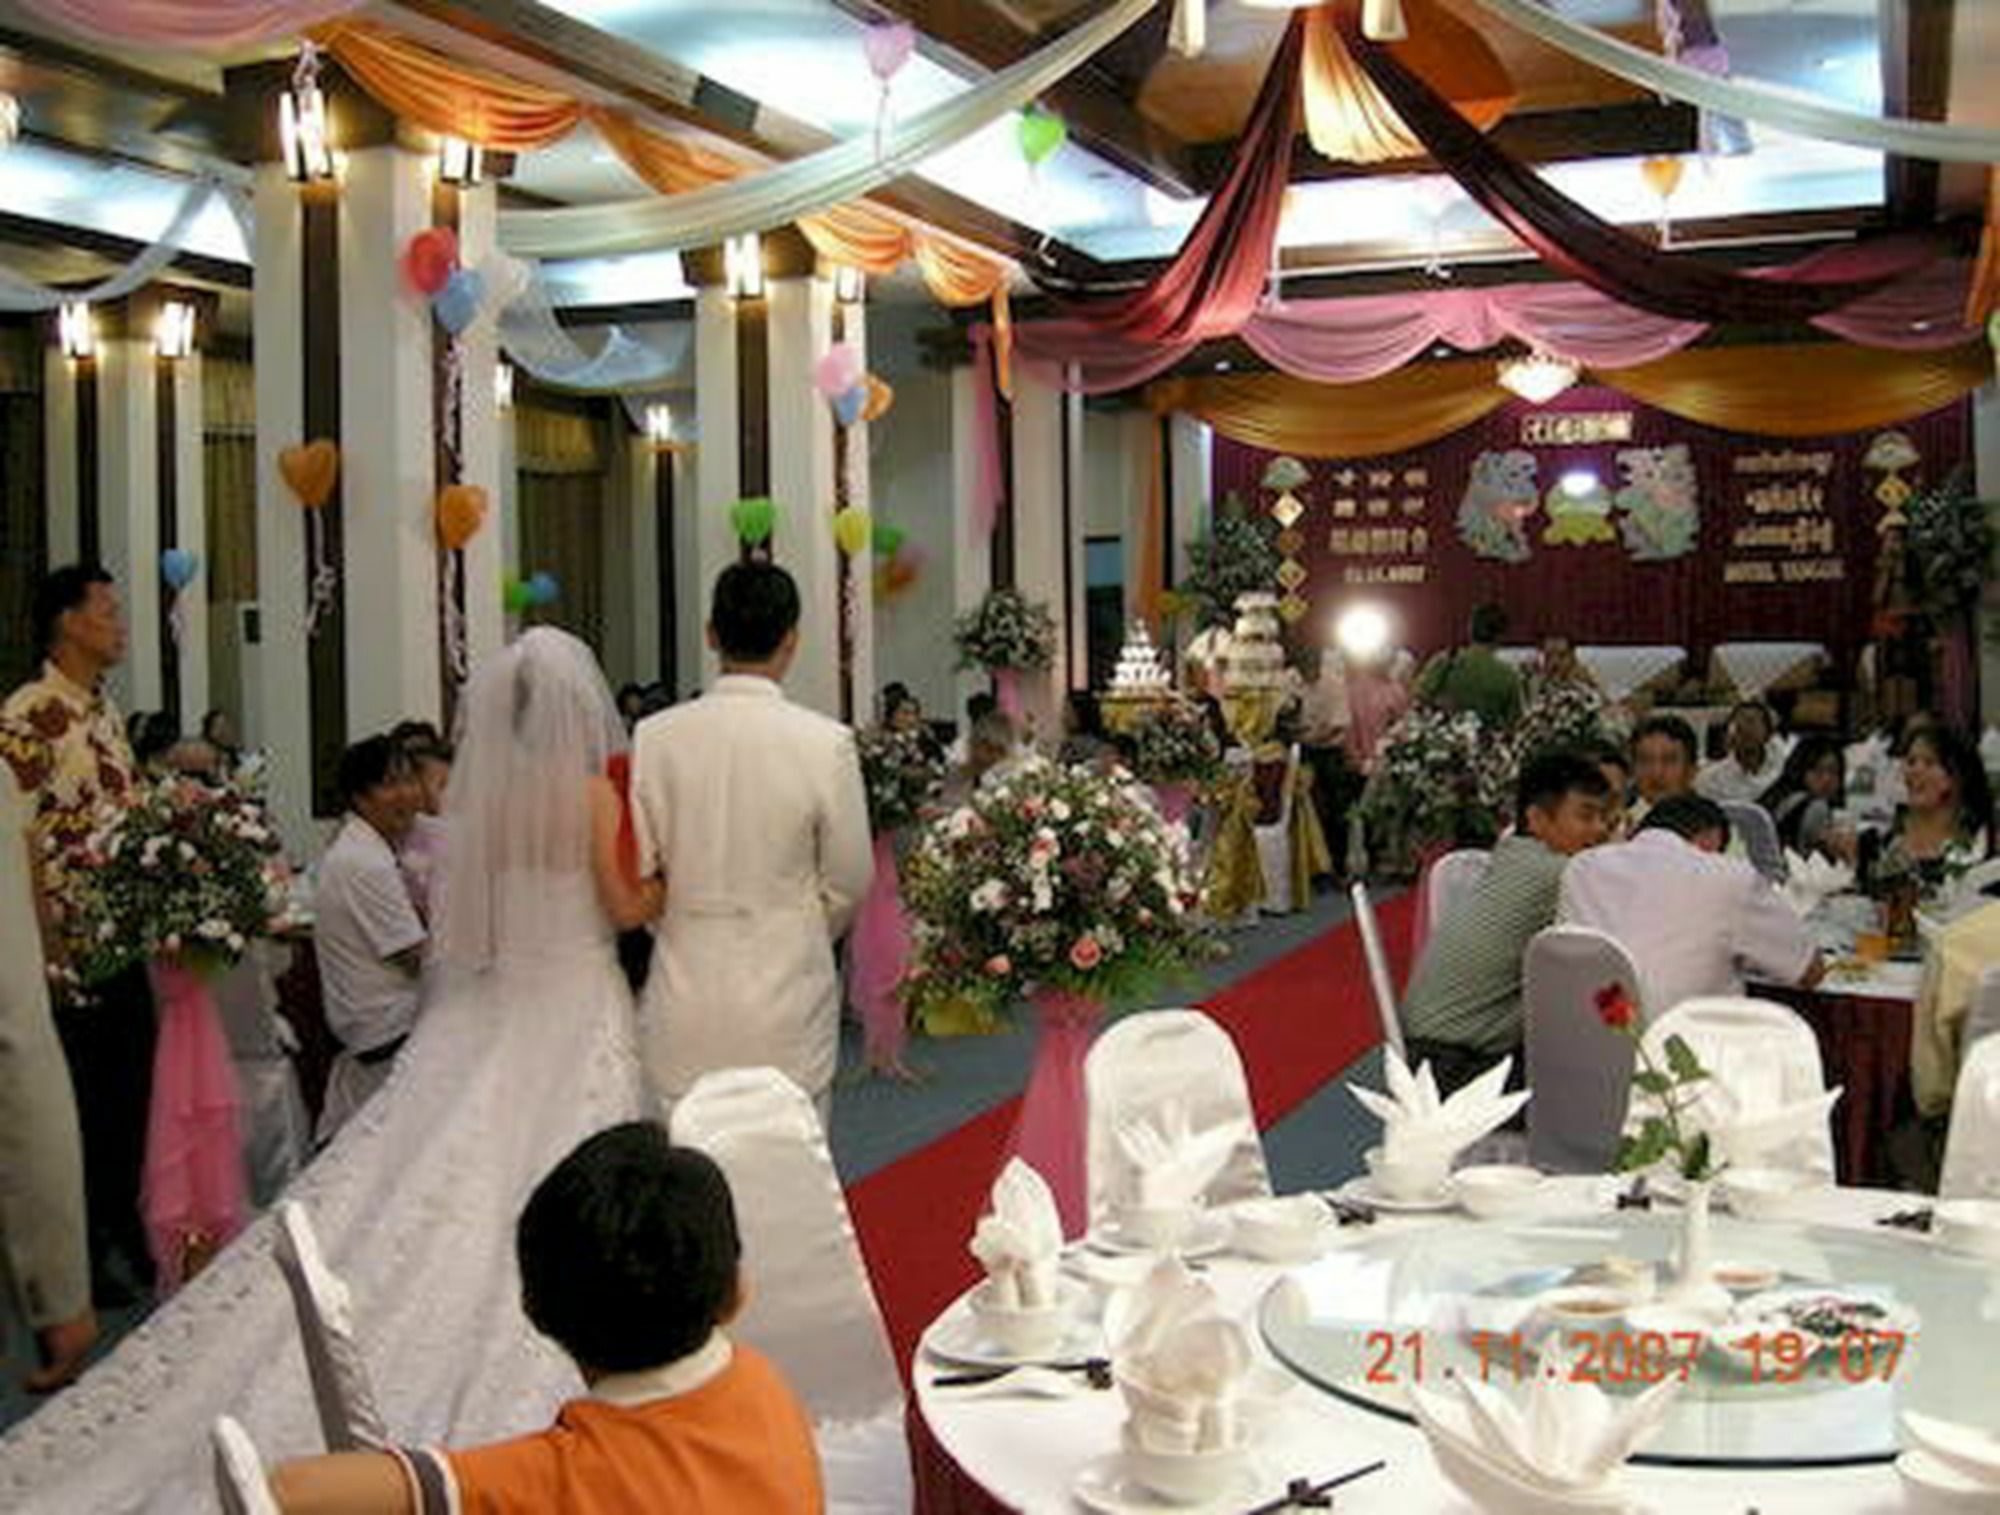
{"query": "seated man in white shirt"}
[(1754, 761), (367, 933), (1695, 922)]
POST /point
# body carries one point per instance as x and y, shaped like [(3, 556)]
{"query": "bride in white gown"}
[(524, 1047)]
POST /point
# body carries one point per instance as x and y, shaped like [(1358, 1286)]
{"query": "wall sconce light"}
[(850, 285), (302, 133), (173, 332), (503, 386), (743, 266), (459, 161), (660, 424), (76, 331), (10, 119)]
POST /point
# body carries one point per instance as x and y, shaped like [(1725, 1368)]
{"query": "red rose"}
[(999, 966), (1086, 954), (1615, 1007)]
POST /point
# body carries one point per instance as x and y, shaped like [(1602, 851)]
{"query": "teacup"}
[(1410, 1175), (1583, 1307), (1184, 1477), (1159, 1227), (1022, 1331), (1280, 1230)]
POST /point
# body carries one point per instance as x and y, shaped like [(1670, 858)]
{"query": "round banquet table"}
[(1018, 1453)]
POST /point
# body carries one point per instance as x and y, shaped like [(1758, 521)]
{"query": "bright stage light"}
[(1362, 632), (1578, 483)]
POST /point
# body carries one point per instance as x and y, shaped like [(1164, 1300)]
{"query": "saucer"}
[(1107, 1487), (1208, 1235), (955, 1338), (1362, 1191)]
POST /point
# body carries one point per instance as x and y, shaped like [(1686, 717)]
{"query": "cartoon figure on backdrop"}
[(1579, 510), (1661, 502), (1499, 498)]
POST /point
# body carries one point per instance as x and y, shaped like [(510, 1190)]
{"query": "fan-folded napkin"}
[(1019, 1242), (1968, 1451), (1811, 879), (1182, 1364), (1418, 1124), (1172, 1163)]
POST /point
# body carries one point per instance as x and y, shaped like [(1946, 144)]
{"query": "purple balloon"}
[(888, 46)]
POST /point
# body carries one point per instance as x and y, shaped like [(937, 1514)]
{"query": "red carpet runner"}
[(1296, 1022)]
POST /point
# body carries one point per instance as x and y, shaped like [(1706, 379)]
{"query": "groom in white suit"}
[(751, 808)]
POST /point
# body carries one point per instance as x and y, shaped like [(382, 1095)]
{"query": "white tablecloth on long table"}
[(1619, 671), (1027, 1453), (1753, 667)]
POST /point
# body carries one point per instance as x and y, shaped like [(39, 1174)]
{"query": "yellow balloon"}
[(1663, 175), (880, 398), (852, 530)]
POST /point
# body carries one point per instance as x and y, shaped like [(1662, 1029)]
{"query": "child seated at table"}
[(629, 1257)]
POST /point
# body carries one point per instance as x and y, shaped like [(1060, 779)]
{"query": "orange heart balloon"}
[(461, 511), (310, 470), (880, 398)]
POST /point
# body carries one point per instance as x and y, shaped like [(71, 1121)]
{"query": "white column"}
[(508, 499), (388, 466), (800, 317), (191, 531), (1986, 472), (128, 510), (690, 602), (631, 561), (861, 493), (1191, 447), (1132, 442), (1076, 523), (486, 450), (1039, 544), (277, 706), (643, 466), (971, 546), (718, 462), (59, 481)]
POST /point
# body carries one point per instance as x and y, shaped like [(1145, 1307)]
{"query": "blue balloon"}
[(456, 306), (847, 407), (178, 567), (543, 589)]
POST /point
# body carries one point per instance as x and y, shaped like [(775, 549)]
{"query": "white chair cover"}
[(1379, 980), (240, 1485), (1274, 844), (1972, 1147), (1579, 1068), (277, 1135), (811, 1308), (348, 1416), (1759, 832), (1764, 1054), (1453, 877), (1141, 1063), (1982, 1018)]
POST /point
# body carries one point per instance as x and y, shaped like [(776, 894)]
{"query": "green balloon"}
[(887, 538), (516, 596), (1042, 133), (753, 519)]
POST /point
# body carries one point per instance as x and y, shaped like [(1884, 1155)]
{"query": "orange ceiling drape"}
[(1394, 413), (1983, 298), (667, 164), (452, 99), (1346, 117)]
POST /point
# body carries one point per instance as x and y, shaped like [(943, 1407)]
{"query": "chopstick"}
[(1093, 1367), (1304, 1494)]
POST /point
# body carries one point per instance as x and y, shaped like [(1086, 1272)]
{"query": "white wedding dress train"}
[(415, 1203)]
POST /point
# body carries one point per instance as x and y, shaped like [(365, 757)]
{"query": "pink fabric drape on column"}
[(216, 24), (878, 951), (1054, 1117), (194, 1186)]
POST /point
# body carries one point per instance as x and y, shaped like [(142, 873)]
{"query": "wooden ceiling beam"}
[(1916, 82)]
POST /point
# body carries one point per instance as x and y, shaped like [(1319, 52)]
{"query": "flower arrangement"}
[(1436, 780), (1951, 547), (185, 871), (900, 775), (1236, 555), (1006, 630), (1662, 1136), (1050, 878), (1174, 744), (1560, 713)]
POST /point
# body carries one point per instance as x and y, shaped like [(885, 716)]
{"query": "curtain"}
[(562, 534), (552, 441), (23, 529), (445, 96), (1277, 412), (230, 463), (1346, 117), (214, 24)]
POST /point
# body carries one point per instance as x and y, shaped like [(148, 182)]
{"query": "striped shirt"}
[(1467, 988)]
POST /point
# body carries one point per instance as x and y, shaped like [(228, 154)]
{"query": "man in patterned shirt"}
[(71, 759)]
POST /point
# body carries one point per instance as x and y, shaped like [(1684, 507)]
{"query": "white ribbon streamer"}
[(539, 344), (845, 171), (18, 293)]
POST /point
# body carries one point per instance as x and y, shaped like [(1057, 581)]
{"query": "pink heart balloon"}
[(888, 45), (837, 371)]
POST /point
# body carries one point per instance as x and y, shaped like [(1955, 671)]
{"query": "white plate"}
[(1208, 1235), (955, 1338), (1362, 1191), (1106, 1486)]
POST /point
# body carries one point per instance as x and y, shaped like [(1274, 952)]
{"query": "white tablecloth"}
[(1027, 1452), (1618, 670), (1753, 667)]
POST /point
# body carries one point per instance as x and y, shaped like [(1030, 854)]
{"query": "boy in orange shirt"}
[(629, 1256)]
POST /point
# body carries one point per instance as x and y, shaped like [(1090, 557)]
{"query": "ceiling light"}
[(660, 424), (459, 161), (76, 331), (1539, 377), (302, 133), (10, 119), (850, 285), (743, 266), (503, 386), (173, 331)]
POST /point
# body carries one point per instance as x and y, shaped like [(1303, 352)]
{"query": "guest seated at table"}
[(629, 1261), (1754, 760), (1694, 921), (1617, 770), (1808, 794), (1473, 679), (1665, 755), (977, 708), (1463, 1010), (1945, 826)]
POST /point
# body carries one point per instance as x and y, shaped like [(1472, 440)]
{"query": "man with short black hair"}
[(1666, 756), (629, 1261), (1753, 761), (1694, 921), (752, 810), (1463, 1011), (367, 934), (1473, 679)]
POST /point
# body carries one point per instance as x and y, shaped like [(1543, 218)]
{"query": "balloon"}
[(1042, 132), (310, 471), (456, 306), (543, 589), (888, 45), (847, 408), (178, 567), (429, 258), (753, 519), (887, 538), (1663, 175), (837, 371), (852, 529), (880, 398), (515, 595), (460, 512)]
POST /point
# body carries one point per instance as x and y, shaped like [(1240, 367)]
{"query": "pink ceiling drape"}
[(207, 24)]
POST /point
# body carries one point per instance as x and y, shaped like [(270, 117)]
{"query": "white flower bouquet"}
[(900, 775), (1174, 744), (1006, 630)]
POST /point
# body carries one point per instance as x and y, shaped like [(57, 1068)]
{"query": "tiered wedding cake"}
[(1256, 659), (1139, 674)]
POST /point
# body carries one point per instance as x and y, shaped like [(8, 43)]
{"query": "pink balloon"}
[(837, 371), (888, 45)]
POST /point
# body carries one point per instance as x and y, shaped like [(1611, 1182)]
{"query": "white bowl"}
[(1494, 1190), (1158, 1226), (1022, 1332), (1184, 1477), (1283, 1230), (1769, 1193), (1968, 1225), (1933, 1485), (1583, 1307), (1408, 1178), (1740, 1276)]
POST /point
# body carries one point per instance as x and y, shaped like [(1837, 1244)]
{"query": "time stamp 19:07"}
[(1619, 1357)]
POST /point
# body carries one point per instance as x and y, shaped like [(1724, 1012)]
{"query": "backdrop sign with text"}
[(1601, 519)]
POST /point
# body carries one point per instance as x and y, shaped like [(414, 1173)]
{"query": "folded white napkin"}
[(1968, 1451), (1020, 1242), (1564, 1436), (1181, 1363), (1812, 878), (1172, 1163), (1417, 1124)]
